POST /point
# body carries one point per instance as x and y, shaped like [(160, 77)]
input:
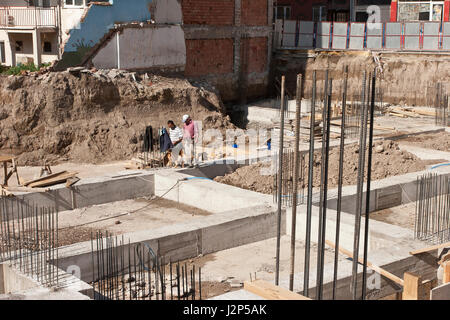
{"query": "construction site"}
[(314, 173)]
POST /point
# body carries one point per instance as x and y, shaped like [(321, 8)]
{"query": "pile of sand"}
[(388, 160)]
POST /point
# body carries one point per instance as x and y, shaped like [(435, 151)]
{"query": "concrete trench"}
[(239, 217)]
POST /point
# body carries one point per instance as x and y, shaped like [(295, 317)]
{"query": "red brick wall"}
[(254, 54), (205, 57), (254, 12), (210, 12)]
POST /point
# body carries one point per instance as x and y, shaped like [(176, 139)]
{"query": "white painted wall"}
[(142, 48), (70, 19), (48, 57), (4, 38), (27, 53)]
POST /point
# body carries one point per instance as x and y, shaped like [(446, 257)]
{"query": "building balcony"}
[(27, 17)]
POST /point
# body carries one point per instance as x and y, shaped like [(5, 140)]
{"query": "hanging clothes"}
[(148, 139), (164, 141)]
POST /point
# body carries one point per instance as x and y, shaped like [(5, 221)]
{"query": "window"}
[(19, 46), (74, 3), (420, 10), (2, 52), (80, 3), (282, 12), (47, 46), (319, 13), (40, 3)]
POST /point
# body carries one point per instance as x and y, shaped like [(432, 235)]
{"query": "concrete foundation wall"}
[(206, 194), (188, 240), (386, 193), (12, 281), (94, 191)]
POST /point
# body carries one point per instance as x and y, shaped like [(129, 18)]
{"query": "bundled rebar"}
[(287, 181), (29, 239), (125, 271), (432, 216)]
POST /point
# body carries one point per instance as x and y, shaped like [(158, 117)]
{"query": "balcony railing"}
[(27, 17)]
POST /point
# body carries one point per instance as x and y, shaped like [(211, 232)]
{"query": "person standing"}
[(176, 136), (190, 135)]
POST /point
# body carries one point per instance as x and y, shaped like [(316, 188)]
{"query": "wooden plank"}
[(71, 181), (416, 289), (446, 278), (411, 286), (43, 178), (445, 257), (53, 181), (6, 158), (425, 289), (370, 265), (424, 112), (269, 291), (427, 249), (26, 189)]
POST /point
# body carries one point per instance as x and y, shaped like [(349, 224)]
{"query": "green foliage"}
[(17, 70)]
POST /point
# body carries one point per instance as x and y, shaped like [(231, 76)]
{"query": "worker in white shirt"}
[(176, 136)]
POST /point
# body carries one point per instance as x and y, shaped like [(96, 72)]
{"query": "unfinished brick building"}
[(221, 36)]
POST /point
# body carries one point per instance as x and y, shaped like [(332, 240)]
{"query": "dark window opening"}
[(362, 16), (2, 52), (19, 46), (47, 46)]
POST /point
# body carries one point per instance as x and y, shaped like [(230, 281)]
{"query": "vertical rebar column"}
[(369, 176), (324, 195), (360, 182), (310, 189), (280, 181), (295, 180), (340, 182)]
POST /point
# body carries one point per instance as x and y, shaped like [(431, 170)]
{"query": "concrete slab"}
[(190, 239), (91, 191), (206, 194)]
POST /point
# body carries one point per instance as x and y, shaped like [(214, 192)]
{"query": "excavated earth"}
[(388, 160), (436, 141), (95, 116)]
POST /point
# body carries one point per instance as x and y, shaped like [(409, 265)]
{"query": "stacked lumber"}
[(50, 180), (409, 112)]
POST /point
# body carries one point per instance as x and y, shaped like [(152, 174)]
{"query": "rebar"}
[(114, 279), (28, 239), (432, 215), (280, 175), (295, 178)]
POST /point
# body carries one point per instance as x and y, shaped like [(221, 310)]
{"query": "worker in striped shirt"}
[(176, 136)]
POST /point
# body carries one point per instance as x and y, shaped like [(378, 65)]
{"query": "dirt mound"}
[(436, 141), (95, 117), (388, 160), (250, 178)]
